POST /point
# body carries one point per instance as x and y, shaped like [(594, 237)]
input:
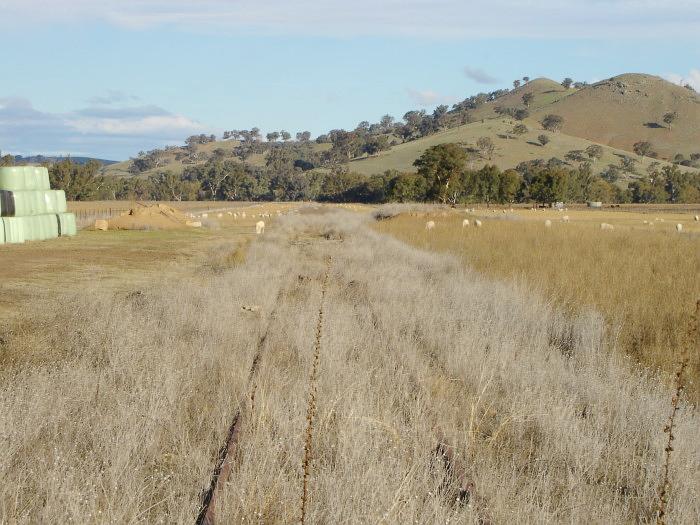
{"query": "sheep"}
[(229, 213), (477, 223), (243, 214), (219, 215), (259, 227), (465, 223), (429, 225), (646, 222), (697, 218), (606, 226), (565, 218), (547, 223), (205, 215), (679, 227)]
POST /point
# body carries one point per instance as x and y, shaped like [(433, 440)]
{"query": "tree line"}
[(442, 175)]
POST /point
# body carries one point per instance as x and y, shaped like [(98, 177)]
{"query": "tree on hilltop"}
[(567, 82), (516, 84), (273, 136)]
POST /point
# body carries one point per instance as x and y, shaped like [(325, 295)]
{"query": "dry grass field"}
[(387, 383), (642, 277)]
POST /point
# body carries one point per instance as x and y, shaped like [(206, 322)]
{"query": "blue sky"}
[(111, 79)]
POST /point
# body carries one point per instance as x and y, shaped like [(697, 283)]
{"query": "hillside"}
[(629, 108), (544, 91), (509, 151), (173, 164)]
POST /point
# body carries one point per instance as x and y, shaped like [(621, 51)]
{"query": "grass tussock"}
[(545, 423), (644, 283)]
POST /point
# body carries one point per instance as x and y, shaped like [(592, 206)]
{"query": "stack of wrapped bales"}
[(29, 209)]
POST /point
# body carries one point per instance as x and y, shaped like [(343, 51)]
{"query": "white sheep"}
[(679, 227), (606, 226), (646, 222), (205, 215), (547, 223), (243, 214), (260, 227), (477, 223), (697, 218), (465, 223), (565, 218), (429, 225), (219, 215)]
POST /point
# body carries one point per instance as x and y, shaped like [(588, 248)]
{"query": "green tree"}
[(441, 166), (670, 118), (80, 181), (567, 82), (273, 136), (167, 186), (286, 135), (406, 187), (528, 98), (485, 184), (543, 140), (509, 184)]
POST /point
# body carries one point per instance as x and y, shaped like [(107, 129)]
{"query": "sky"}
[(110, 78)]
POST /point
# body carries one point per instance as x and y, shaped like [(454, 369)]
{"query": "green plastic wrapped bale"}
[(13, 228), (66, 224), (18, 178), (32, 202)]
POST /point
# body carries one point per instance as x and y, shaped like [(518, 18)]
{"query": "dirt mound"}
[(156, 217)]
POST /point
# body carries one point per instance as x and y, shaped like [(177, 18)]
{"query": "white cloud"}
[(479, 75), (435, 18), (113, 131), (428, 97), (692, 79)]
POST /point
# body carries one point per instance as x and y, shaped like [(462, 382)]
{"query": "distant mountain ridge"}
[(38, 159)]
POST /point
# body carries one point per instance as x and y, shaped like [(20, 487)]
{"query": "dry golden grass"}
[(644, 280), (122, 417)]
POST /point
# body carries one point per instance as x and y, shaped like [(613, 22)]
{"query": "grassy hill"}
[(614, 113), (544, 91), (629, 108), (509, 151), (171, 163)]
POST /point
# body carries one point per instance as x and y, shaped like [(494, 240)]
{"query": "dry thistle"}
[(675, 400), (313, 385)]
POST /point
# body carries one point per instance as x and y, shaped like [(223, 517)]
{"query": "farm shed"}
[(29, 209)]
